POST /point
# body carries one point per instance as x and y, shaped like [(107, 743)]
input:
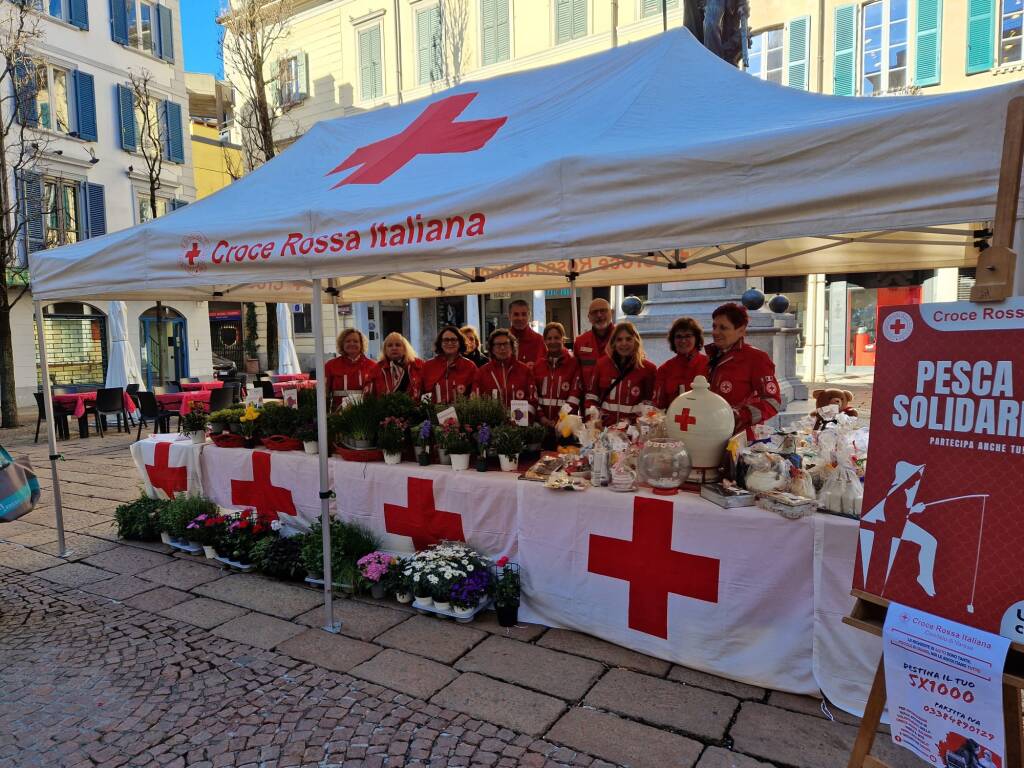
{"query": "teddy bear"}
[(838, 397)]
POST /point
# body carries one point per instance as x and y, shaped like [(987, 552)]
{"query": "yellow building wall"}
[(211, 158)]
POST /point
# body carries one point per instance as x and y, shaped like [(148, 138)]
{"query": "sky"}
[(201, 36)]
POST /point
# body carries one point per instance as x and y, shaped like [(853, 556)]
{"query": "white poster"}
[(944, 685)]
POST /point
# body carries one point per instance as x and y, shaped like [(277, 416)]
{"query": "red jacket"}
[(530, 347), (511, 380), (396, 378), (626, 399), (344, 376), (745, 377), (588, 349), (558, 385), (676, 375), (444, 382)]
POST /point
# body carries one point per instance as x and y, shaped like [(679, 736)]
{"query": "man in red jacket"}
[(591, 346), (530, 343)]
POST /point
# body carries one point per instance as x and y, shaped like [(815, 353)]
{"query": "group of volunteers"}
[(606, 371)]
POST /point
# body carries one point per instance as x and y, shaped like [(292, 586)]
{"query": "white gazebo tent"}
[(651, 162)]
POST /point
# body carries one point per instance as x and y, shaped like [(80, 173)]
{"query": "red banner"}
[(941, 528)]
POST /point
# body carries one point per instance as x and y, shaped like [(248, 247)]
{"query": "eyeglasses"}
[(449, 340), (685, 336), (501, 344)]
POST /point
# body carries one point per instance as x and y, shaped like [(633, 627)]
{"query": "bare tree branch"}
[(454, 25), (147, 110)]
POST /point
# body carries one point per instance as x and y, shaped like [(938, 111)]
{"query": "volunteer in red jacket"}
[(624, 380), (448, 374), (742, 374), (557, 377), (505, 378), (398, 369), (529, 343), (686, 339), (591, 346), (351, 372)]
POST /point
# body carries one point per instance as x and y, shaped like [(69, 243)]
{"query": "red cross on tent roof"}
[(164, 477), (421, 519)]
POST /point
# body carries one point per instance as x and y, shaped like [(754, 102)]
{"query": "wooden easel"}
[(994, 282)]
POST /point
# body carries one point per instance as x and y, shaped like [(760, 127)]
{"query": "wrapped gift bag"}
[(19, 487)]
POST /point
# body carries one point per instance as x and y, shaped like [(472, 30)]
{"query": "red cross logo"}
[(421, 519), (162, 475), (653, 569), (434, 132), (898, 326), (193, 254), (684, 419), (259, 493)]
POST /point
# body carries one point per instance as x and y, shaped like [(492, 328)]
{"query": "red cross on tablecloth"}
[(684, 419), (433, 132), (653, 569), (421, 519), (259, 493), (162, 475)]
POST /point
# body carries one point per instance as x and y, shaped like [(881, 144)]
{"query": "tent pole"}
[(572, 300), (51, 435), (330, 625)]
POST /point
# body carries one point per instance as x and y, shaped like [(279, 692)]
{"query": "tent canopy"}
[(648, 156)]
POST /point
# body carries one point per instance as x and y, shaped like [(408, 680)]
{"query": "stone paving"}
[(125, 654)]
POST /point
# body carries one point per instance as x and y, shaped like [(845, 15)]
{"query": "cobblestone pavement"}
[(126, 655)]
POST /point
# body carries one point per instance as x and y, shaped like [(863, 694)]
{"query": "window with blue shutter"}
[(844, 43), (981, 33), (173, 131), (78, 13), (126, 117), (119, 21), (371, 69), (85, 105), (32, 210), (928, 38), (797, 48), (25, 90), (494, 31), (429, 50), (95, 209), (570, 20), (165, 33), (653, 7)]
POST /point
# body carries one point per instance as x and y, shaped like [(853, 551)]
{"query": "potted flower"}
[(178, 513), (457, 441), (483, 443), (533, 436), (243, 533), (278, 556), (208, 530), (397, 583), (194, 422), (422, 442), (507, 589), (508, 443), (374, 569), (391, 438), (467, 593), (249, 424), (307, 433), (220, 420)]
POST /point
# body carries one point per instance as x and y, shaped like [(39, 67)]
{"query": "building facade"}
[(91, 178)]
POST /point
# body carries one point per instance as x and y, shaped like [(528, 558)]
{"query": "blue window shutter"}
[(79, 15), (166, 32), (32, 210), (302, 70), (504, 49), (126, 113), (119, 21), (563, 21), (423, 41), (981, 35), (85, 102), (95, 209), (844, 76), (579, 18), (174, 142), (797, 49), (929, 42), (488, 33), (25, 90)]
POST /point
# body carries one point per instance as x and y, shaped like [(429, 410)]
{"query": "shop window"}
[(765, 55), (76, 343), (302, 321), (883, 46)]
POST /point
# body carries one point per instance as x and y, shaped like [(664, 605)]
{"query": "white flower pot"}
[(392, 458), (312, 447), (509, 465), (442, 606), (165, 537), (443, 457), (424, 602), (460, 461), (403, 597), (210, 552), (463, 613), (198, 438)]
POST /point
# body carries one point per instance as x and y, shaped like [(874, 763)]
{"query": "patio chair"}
[(150, 408), (60, 417), (221, 398), (132, 390), (235, 388), (110, 402), (268, 389)]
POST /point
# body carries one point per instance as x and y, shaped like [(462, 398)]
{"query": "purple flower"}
[(484, 435), (470, 589), (425, 429)]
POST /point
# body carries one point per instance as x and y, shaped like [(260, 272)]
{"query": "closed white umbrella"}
[(287, 359), (122, 367)]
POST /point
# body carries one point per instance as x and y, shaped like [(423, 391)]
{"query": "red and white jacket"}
[(675, 376), (529, 345), (392, 377), (445, 381), (506, 381), (628, 397), (345, 376), (559, 383), (588, 348), (745, 377)]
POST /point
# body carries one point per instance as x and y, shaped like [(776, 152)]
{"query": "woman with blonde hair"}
[(398, 369), (624, 380), (351, 372), (473, 351)]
